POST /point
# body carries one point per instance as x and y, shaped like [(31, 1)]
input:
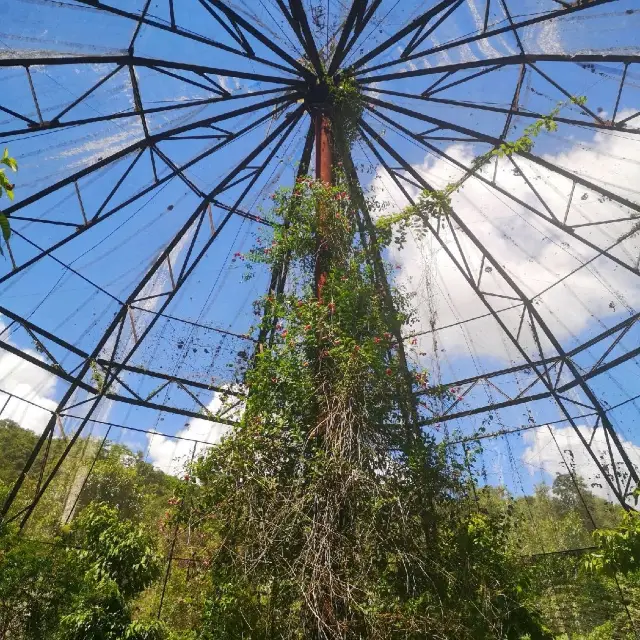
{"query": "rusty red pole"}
[(323, 148), (324, 172)]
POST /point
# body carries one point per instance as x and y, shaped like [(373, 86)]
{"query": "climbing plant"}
[(435, 203), (333, 515), (6, 186)]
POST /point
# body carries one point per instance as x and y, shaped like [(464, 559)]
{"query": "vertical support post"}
[(324, 172)]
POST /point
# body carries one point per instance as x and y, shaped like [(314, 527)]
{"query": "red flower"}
[(307, 327), (376, 340), (331, 306), (388, 371)]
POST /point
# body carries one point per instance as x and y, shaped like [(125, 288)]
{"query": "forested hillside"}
[(105, 575)]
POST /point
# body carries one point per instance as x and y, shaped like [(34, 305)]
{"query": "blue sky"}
[(115, 253)]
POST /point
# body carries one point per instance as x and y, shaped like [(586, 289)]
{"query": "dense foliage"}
[(48, 584)]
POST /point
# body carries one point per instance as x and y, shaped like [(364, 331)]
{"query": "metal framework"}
[(251, 115)]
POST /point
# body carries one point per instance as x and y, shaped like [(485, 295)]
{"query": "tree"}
[(82, 585), (16, 445), (119, 562), (125, 481)]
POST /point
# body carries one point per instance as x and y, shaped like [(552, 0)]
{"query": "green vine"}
[(347, 103), (435, 203), (7, 187), (97, 376)]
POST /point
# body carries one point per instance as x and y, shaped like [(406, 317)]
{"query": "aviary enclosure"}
[(339, 298)]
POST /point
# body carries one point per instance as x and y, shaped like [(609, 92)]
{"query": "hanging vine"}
[(333, 517)]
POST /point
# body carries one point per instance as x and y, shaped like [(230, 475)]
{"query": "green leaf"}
[(6, 228)]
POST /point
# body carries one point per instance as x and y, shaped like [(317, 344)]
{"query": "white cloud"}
[(532, 252), (223, 81), (30, 383), (542, 453), (171, 455)]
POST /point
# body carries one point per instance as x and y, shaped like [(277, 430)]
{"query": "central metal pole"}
[(324, 173)]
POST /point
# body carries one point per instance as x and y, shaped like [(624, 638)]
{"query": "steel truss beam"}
[(142, 18), (509, 112), (115, 328), (38, 332), (522, 58), (622, 328), (358, 18), (140, 147), (413, 26), (141, 61), (610, 472), (464, 41), (548, 216), (520, 398)]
